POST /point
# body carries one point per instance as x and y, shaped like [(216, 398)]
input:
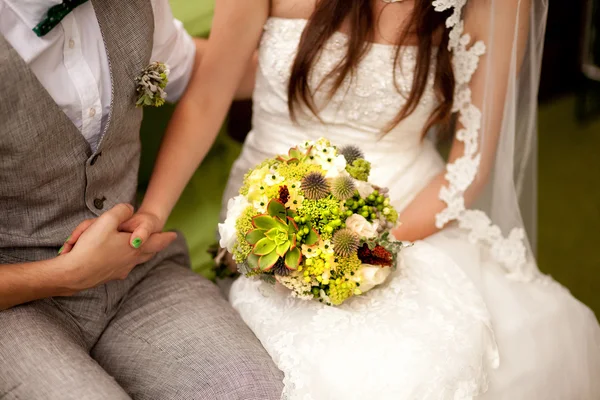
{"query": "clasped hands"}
[(110, 246)]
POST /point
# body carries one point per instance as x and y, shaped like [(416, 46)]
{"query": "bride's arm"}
[(237, 26), (246, 86), (490, 79)]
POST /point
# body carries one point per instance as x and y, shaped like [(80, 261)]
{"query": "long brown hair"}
[(424, 23)]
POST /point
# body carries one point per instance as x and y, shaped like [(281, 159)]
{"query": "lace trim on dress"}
[(443, 330), (508, 250)]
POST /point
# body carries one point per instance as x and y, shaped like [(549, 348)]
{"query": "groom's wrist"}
[(65, 278)]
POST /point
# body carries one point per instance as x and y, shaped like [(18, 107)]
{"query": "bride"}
[(467, 314)]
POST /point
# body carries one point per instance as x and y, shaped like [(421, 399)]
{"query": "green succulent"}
[(294, 155), (274, 237)]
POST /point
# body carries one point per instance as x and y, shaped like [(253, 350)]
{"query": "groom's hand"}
[(141, 226), (103, 253)]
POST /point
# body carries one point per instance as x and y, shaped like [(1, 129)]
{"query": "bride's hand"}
[(141, 225)]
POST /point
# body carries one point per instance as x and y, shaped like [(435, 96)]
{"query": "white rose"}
[(372, 275), (227, 231), (364, 188), (359, 225)]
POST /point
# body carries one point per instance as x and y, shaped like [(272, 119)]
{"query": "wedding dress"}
[(448, 324)]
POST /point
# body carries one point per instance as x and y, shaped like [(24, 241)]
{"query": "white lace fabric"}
[(509, 250), (428, 314), (430, 331)]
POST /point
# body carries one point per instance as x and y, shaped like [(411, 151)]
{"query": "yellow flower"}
[(258, 175), (295, 199), (309, 251), (273, 178), (326, 247), (261, 204)]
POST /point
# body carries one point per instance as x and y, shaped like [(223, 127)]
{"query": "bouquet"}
[(311, 221)]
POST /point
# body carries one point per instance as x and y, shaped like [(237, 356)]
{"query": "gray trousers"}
[(163, 333)]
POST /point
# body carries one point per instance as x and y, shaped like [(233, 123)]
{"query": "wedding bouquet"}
[(311, 221)]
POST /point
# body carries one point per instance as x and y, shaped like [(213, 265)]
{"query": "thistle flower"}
[(315, 186), (345, 242), (343, 187), (351, 153)]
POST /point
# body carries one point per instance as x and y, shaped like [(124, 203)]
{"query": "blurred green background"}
[(569, 183)]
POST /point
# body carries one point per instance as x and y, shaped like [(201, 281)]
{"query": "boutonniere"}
[(151, 84)]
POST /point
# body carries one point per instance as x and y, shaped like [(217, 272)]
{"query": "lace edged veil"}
[(497, 49)]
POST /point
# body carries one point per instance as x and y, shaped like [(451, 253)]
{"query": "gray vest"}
[(49, 178)]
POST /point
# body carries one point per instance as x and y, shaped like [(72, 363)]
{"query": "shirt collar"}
[(31, 12)]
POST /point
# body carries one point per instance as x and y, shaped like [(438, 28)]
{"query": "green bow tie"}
[(55, 15)]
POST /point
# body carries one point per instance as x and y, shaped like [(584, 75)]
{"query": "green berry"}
[(365, 214)]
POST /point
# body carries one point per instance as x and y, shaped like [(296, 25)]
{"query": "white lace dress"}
[(448, 324)]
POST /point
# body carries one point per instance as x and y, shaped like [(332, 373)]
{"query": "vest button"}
[(95, 158), (99, 203)]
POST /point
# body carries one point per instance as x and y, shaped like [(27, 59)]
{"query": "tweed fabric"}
[(162, 333), (49, 178)]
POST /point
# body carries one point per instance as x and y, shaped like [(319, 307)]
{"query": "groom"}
[(108, 320)]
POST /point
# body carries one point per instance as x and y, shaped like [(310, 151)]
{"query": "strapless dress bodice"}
[(358, 113)]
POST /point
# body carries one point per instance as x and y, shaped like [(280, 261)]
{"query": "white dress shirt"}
[(71, 63)]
